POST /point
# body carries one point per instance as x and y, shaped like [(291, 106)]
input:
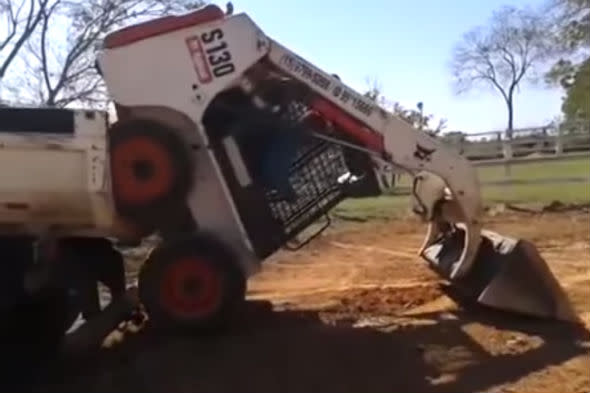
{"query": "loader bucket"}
[(507, 274)]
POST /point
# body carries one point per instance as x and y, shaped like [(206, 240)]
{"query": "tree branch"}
[(13, 25), (44, 62), (33, 19), (65, 73)]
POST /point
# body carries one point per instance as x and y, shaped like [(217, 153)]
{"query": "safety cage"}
[(320, 175), (317, 177)]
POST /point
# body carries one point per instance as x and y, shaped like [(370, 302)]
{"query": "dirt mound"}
[(384, 301)]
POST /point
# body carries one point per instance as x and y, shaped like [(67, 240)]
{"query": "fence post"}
[(559, 141), (507, 153)]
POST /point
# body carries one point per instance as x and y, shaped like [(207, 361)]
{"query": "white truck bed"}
[(53, 172)]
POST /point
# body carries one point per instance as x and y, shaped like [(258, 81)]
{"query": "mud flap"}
[(507, 274)]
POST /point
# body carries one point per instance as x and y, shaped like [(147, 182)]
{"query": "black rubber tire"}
[(152, 171), (204, 253)]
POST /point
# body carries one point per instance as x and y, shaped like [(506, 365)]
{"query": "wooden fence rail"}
[(495, 147), (527, 146)]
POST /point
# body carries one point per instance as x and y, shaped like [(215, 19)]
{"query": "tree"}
[(571, 20), (415, 118), (502, 55), (59, 60), (418, 120), (576, 105), (20, 25)]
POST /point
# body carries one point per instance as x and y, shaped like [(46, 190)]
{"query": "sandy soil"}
[(357, 311)]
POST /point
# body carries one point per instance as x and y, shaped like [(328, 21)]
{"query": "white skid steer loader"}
[(228, 146)]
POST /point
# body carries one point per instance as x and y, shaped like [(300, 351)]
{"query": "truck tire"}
[(151, 170), (193, 284)]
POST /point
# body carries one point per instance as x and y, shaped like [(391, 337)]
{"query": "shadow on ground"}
[(296, 352)]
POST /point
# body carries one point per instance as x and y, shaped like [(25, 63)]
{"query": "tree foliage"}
[(576, 105), (415, 117), (418, 119), (502, 54), (571, 21), (58, 57)]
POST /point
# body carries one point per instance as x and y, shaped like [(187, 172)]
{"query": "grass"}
[(541, 193), (373, 208), (392, 206), (563, 192), (576, 167)]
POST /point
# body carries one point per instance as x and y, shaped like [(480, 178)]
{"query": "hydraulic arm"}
[(481, 265)]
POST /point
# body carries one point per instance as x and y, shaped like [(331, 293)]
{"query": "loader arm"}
[(385, 137), (482, 266)]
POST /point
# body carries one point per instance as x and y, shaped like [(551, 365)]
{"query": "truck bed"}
[(53, 171)]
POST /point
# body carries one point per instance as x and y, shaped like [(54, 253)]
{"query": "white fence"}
[(539, 144), (531, 144)]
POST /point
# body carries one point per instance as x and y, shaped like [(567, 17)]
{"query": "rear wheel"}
[(192, 284), (151, 170)]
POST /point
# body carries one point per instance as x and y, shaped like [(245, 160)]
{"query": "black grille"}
[(314, 176)]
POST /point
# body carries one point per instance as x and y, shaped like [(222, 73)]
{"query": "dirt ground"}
[(358, 311)]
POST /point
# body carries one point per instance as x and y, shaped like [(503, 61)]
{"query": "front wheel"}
[(152, 171), (192, 284)]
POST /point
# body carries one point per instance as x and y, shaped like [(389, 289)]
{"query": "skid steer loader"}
[(228, 146)]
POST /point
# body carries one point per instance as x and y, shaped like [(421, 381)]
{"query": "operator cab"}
[(321, 173)]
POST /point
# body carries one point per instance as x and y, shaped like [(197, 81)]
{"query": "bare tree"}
[(502, 55), (20, 23), (375, 89), (59, 60)]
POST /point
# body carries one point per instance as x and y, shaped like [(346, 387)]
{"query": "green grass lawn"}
[(373, 208), (544, 193), (391, 206), (576, 167), (563, 192)]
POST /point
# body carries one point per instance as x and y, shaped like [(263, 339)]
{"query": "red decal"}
[(361, 133), (166, 24), (197, 53)]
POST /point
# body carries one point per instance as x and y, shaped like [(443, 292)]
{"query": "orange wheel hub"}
[(191, 289), (142, 170)]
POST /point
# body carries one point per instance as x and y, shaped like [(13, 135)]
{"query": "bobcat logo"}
[(422, 153)]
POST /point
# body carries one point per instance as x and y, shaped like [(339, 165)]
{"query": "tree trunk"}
[(510, 127)]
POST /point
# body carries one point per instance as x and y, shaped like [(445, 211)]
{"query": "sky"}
[(406, 45)]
